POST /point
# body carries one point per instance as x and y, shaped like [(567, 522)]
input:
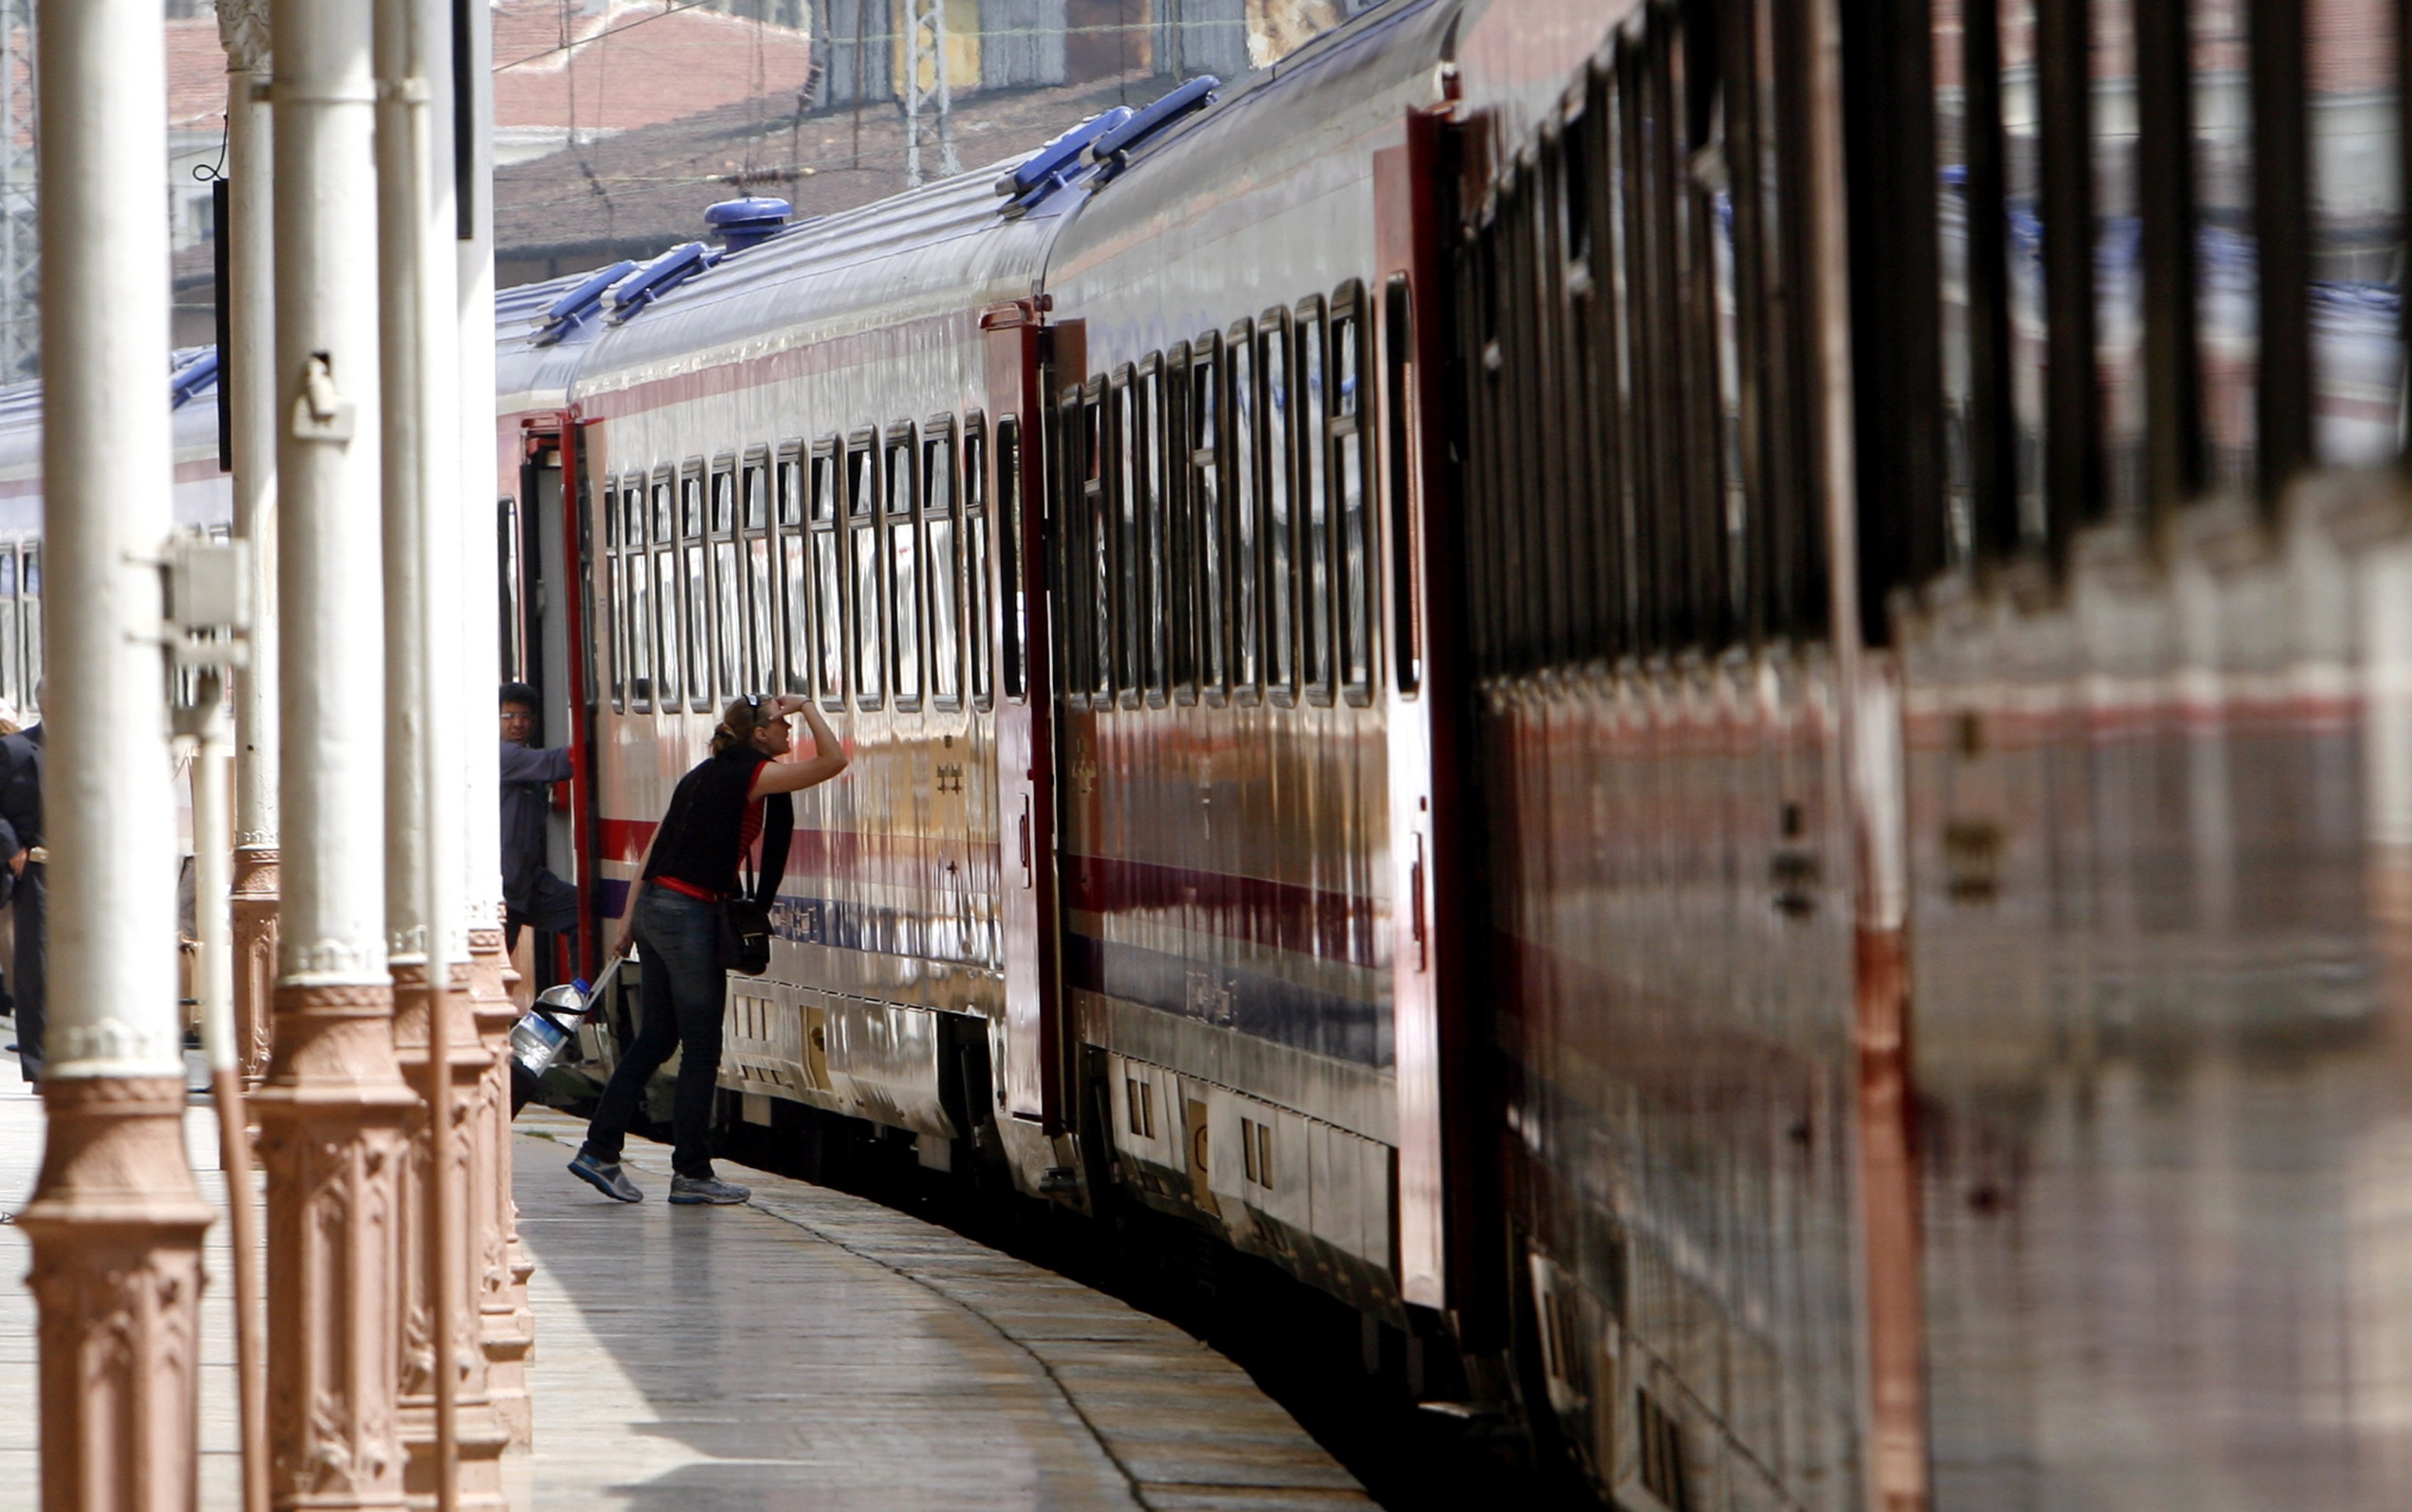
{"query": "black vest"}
[(702, 838)]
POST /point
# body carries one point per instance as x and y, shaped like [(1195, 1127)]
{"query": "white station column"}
[(509, 1326), (249, 393), (116, 1221), (450, 1434), (332, 1108)]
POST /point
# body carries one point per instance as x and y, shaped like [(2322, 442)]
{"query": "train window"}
[(828, 627), (1178, 532), (29, 583), (760, 671), (1399, 407), (1315, 508), (1097, 537), (793, 627), (615, 609), (1280, 461), (29, 610), (979, 597), (945, 568), (1353, 590), (1130, 609), (666, 603), (757, 492), (1239, 479), (1070, 510), (11, 683), (1015, 639), (727, 594), (633, 600), (905, 573), (697, 589), (1158, 624), (1206, 513), (610, 596), (863, 530), (513, 587)]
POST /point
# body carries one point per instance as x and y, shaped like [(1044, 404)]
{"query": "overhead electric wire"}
[(575, 43)]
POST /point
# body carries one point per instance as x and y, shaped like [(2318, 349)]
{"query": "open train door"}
[(548, 644), (1444, 1252), (1021, 349)]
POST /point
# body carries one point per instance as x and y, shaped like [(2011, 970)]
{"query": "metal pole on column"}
[(116, 1221), (201, 717), (332, 1108), (249, 393), (451, 1432), (509, 1326)]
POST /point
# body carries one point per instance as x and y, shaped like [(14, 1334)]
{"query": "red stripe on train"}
[(1284, 916)]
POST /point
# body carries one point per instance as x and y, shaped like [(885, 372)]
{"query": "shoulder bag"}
[(745, 919)]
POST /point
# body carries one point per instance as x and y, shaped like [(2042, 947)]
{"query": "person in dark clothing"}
[(674, 911), (532, 895), (20, 842)]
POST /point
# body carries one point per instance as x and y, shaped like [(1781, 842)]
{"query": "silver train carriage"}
[(1538, 667), (204, 502)]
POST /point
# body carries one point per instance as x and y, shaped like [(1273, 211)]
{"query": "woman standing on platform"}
[(676, 913)]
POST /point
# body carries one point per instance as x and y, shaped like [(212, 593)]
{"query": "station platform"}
[(812, 1350)]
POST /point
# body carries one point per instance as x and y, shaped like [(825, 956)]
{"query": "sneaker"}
[(606, 1178), (693, 1189)]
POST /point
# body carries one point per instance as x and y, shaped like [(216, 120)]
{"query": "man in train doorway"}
[(532, 895), (28, 890)]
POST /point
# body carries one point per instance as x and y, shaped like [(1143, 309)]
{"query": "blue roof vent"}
[(1111, 149), (190, 381), (567, 313), (748, 221), (1047, 169), (659, 276)]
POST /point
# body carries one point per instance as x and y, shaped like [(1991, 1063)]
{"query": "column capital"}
[(242, 31)]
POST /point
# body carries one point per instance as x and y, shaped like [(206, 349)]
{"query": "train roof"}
[(939, 250), (1357, 78), (950, 247), (201, 496), (536, 355)]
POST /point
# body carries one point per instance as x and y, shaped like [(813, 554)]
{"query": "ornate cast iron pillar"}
[(249, 392), (332, 1108), (116, 1226), (450, 1434), (509, 1325), (480, 1437), (510, 1329), (254, 900), (116, 1221)]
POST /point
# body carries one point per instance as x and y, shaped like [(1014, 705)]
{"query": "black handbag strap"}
[(778, 830)]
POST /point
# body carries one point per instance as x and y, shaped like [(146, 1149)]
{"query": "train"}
[(1568, 669)]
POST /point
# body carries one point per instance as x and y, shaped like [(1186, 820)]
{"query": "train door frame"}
[(1021, 350), (569, 616), (1448, 1237)]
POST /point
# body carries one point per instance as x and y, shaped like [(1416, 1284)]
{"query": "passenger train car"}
[(1555, 666), (1570, 669), (203, 501)]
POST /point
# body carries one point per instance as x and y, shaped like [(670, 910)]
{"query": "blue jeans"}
[(682, 987)]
